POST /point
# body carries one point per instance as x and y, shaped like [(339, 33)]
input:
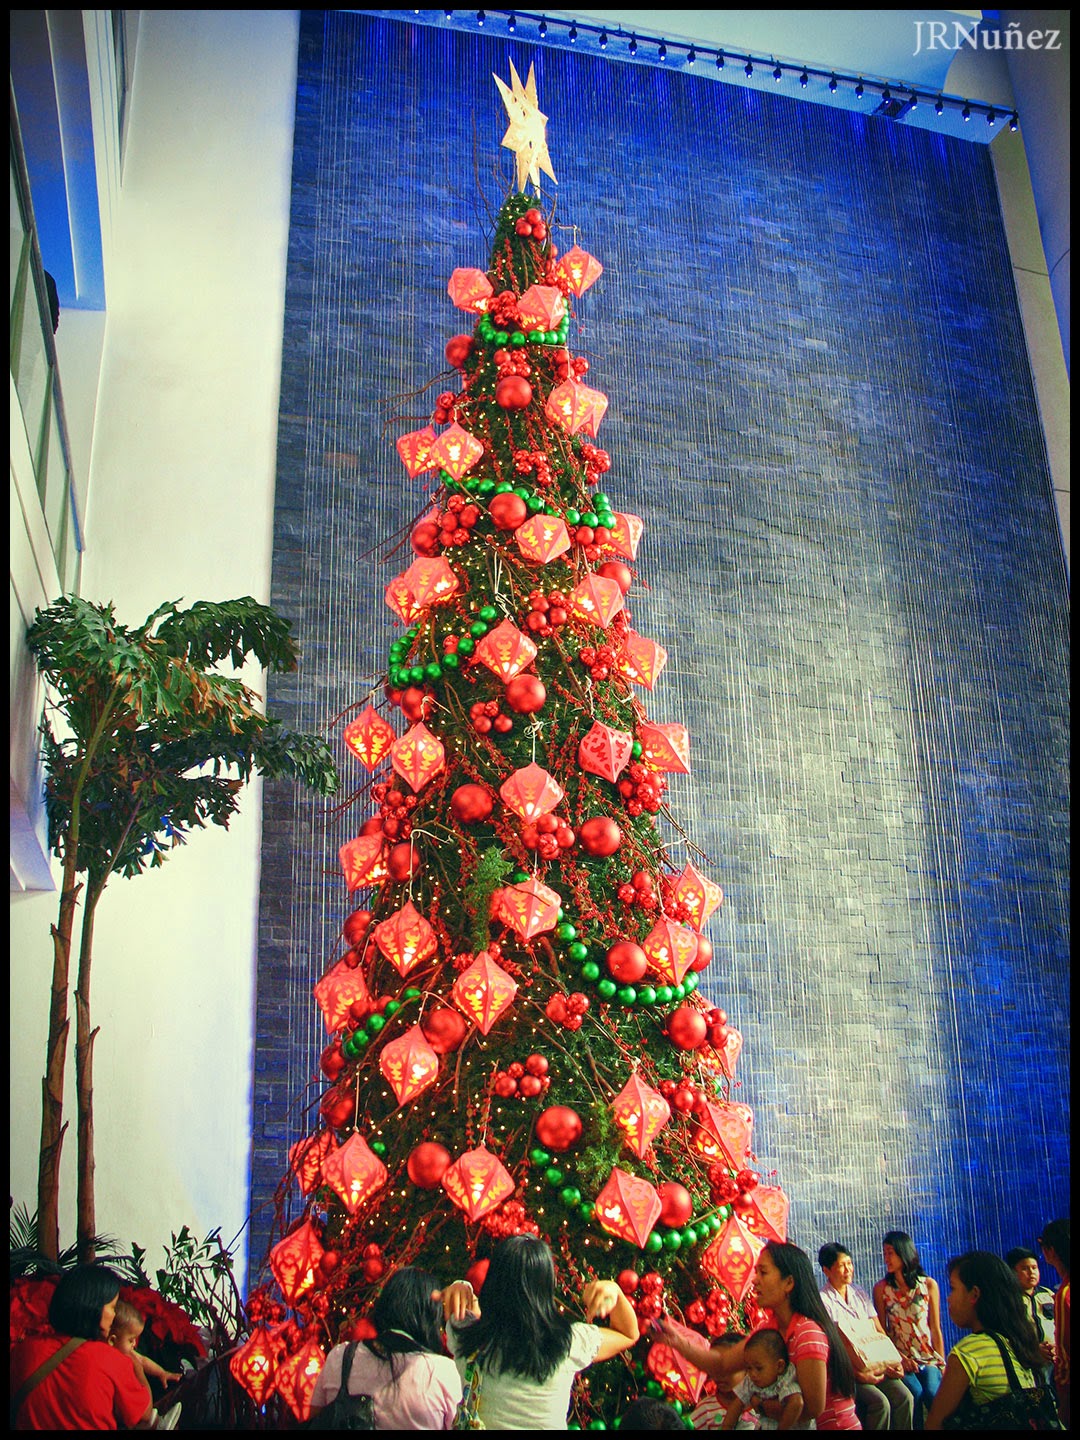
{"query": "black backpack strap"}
[(346, 1366), (1010, 1373)]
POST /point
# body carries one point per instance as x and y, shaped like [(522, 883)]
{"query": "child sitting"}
[(769, 1376), (725, 1372), (127, 1327)]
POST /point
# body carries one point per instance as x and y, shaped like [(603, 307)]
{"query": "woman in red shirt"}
[(785, 1284), (94, 1387)]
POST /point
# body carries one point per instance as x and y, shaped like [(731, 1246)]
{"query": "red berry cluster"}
[(527, 461), (716, 1019), (640, 891), (569, 366), (261, 1308), (531, 223), (683, 1096), (546, 612), (374, 1266), (526, 1081), (597, 660), (717, 1309), (504, 310), (642, 789), (394, 811), (650, 1303), (567, 1010), (452, 526), (512, 362), (597, 463), (444, 408), (510, 1218), (549, 835), (486, 716)]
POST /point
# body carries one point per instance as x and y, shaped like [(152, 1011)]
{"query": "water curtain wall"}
[(822, 408)]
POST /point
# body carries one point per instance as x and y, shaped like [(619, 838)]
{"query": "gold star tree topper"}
[(525, 133)]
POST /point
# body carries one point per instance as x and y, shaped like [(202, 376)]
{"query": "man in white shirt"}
[(882, 1400)]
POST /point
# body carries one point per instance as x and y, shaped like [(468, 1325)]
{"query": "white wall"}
[(181, 507)]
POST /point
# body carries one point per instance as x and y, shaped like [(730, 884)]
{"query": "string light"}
[(632, 47), (572, 36), (692, 56), (719, 60), (748, 68), (480, 17), (966, 112), (543, 28), (662, 52), (511, 23), (832, 84), (778, 74), (939, 105), (1014, 121), (859, 91), (804, 79), (603, 39)]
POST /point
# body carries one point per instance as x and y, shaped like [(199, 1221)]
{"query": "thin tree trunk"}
[(84, 1086), (52, 1085)]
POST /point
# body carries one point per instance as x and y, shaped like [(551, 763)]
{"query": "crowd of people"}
[(830, 1357)]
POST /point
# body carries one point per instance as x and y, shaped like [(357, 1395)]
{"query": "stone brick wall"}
[(822, 409)]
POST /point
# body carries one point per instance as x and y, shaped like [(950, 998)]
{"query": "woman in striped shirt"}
[(985, 1298)]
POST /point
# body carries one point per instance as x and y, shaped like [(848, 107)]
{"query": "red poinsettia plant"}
[(169, 1334)]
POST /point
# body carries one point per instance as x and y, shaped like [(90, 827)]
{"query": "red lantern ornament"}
[(526, 694), (355, 1173), (699, 895), (640, 1113), (677, 1204), (483, 992), (400, 598), (445, 1029), (338, 991), (625, 534), (415, 451), (506, 650), (599, 836), (296, 1376), (427, 1165), (541, 307), (513, 392), (470, 289), (255, 1364), (576, 408), (723, 1133), (687, 1027), (665, 747), (671, 949), (306, 1159), (643, 659), (431, 581), (578, 269), (596, 599), (543, 538), (406, 939), (558, 1127), (604, 751), (456, 451), (681, 1379), (409, 1064), (295, 1260), (531, 792), (362, 861), (478, 1183), (418, 756), (731, 1258), (772, 1207), (369, 737), (470, 804), (627, 962), (508, 510), (628, 1207), (529, 908)]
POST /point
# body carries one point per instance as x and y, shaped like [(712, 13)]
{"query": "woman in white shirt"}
[(524, 1353)]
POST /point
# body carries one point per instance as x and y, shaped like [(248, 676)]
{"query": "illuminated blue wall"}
[(821, 406)]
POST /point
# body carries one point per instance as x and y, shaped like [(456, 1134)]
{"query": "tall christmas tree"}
[(517, 1043)]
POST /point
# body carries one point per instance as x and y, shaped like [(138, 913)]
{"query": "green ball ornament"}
[(539, 1156), (672, 1242), (450, 662), (501, 337), (646, 995), (378, 1147), (553, 1175), (534, 504), (393, 1007), (590, 971), (589, 518), (560, 913), (715, 1224), (655, 1243), (566, 931), (351, 1045), (433, 670), (664, 994), (375, 1023), (654, 1389), (570, 1196), (680, 991), (488, 613), (416, 674), (635, 750), (627, 994), (520, 877), (578, 951), (588, 1210), (691, 983), (536, 337), (523, 493), (724, 1212), (503, 487), (690, 1237), (517, 337), (411, 994), (478, 629), (573, 517), (677, 1406), (485, 486), (606, 989), (550, 509), (466, 646)]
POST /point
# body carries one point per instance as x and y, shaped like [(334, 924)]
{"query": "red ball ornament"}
[(337, 1109), (513, 392), (403, 862), (356, 927), (470, 804), (687, 1027), (530, 1085), (627, 962), (628, 1281), (600, 836), (428, 1163), (425, 538), (617, 571), (704, 954), (676, 1203), (526, 694), (476, 1274), (537, 1065), (559, 1127), (416, 703), (329, 1261), (332, 1061), (444, 1029), (508, 510), (458, 350)]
